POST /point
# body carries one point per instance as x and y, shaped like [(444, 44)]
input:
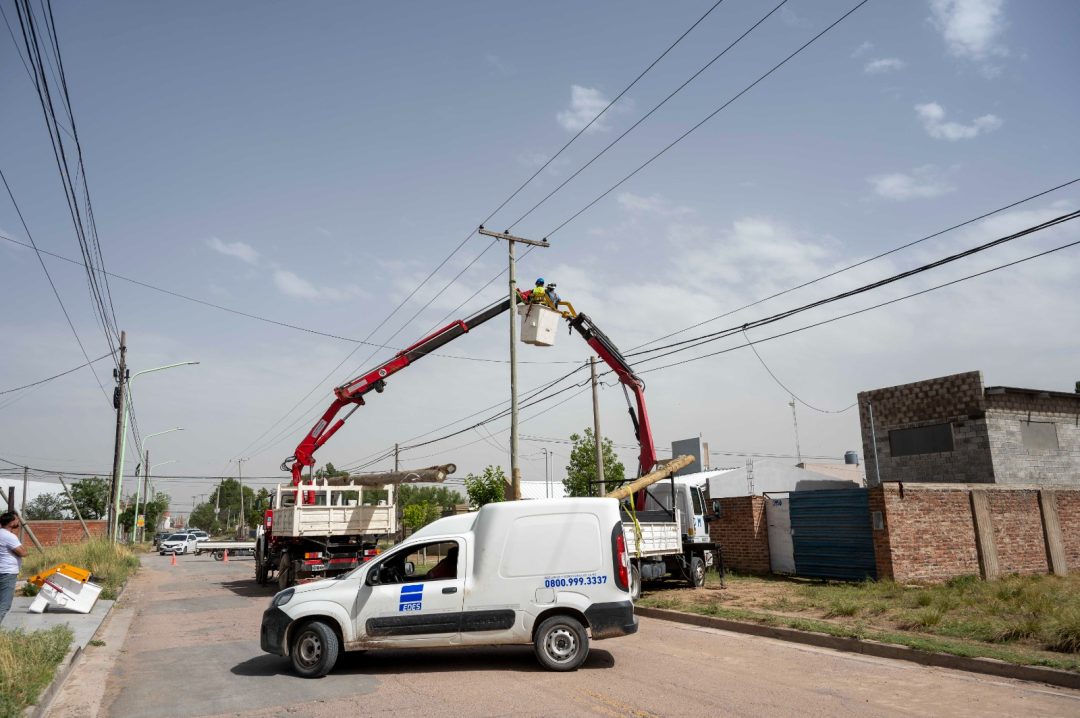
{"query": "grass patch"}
[(28, 662), (111, 564)]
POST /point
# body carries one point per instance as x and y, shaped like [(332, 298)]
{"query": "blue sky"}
[(313, 163)]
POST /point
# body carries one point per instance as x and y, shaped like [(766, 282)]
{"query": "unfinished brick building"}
[(953, 430)]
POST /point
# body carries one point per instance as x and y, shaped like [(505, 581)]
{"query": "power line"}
[(56, 376), (789, 391), (708, 117), (864, 261)]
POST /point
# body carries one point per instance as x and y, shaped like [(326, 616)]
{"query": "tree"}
[(581, 471), (46, 507), (229, 507), (439, 496), (92, 496), (152, 510), (417, 516), (487, 488)]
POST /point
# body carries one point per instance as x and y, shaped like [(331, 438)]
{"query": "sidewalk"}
[(84, 625)]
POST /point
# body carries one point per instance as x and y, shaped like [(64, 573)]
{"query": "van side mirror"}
[(410, 568)]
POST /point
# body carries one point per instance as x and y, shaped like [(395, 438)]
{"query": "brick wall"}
[(928, 534), (54, 533), (1068, 510), (743, 533), (1018, 531), (1016, 464), (929, 531)]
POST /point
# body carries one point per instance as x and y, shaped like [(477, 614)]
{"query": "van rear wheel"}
[(561, 643)]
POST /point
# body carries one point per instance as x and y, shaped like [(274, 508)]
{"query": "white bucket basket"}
[(539, 324), (64, 592)]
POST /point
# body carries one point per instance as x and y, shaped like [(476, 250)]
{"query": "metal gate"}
[(832, 534)]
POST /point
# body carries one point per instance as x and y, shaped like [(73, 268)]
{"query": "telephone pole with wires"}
[(119, 400), (515, 470), (795, 420), (601, 486)]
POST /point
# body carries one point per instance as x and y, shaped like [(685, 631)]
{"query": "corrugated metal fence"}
[(832, 534)]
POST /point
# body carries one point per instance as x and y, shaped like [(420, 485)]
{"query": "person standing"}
[(11, 556)]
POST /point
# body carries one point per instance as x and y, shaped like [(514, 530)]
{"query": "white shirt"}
[(10, 562)]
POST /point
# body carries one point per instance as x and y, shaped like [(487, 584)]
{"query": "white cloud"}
[(933, 118), (654, 204), (884, 64), (294, 285), (971, 28), (862, 49), (585, 104), (921, 183), (240, 250)]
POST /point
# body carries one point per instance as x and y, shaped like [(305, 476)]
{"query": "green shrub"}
[(27, 664)]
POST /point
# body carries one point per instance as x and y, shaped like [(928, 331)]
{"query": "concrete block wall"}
[(743, 534), (55, 533), (957, 399), (929, 531), (1013, 462)]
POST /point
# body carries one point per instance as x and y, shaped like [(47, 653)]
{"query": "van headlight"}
[(281, 598)]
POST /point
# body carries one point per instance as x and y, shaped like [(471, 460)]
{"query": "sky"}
[(312, 164)]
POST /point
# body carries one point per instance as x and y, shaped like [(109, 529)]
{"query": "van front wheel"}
[(314, 650), (561, 644)]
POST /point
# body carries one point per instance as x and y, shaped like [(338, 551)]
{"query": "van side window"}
[(436, 561)]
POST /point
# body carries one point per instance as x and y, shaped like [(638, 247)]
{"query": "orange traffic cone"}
[(174, 559), (226, 557)]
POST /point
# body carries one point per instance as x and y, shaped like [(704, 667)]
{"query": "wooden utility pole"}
[(396, 456), (240, 480), (515, 470), (119, 403), (596, 431)]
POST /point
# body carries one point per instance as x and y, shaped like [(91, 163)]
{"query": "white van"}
[(547, 572)]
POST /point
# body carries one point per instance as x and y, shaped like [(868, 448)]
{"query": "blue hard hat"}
[(539, 281)]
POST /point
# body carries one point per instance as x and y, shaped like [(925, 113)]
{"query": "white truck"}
[(669, 538), (550, 572)]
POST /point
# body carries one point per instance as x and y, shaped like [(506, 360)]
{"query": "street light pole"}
[(118, 464), (515, 470), (240, 479), (139, 492), (547, 473)]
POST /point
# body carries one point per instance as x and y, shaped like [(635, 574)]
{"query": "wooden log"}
[(432, 474), (651, 478)]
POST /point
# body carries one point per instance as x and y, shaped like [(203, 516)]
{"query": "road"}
[(183, 642)]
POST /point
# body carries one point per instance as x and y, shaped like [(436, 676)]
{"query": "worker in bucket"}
[(11, 556), (538, 294)]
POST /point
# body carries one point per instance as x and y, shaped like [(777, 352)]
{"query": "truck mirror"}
[(410, 568), (716, 508)]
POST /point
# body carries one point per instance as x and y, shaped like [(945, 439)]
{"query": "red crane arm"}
[(611, 355), (353, 391)]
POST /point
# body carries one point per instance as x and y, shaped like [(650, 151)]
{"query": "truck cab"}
[(552, 573)]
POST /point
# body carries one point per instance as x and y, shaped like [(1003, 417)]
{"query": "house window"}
[(921, 440), (1039, 435)]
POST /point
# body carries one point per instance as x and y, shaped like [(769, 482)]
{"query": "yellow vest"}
[(538, 294)]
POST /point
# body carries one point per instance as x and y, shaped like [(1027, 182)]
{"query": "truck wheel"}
[(314, 650), (219, 555), (261, 568), (697, 572), (561, 644), (635, 582), (284, 572)]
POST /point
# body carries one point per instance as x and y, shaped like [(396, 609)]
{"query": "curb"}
[(987, 666)]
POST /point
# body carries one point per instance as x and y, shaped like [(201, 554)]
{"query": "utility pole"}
[(25, 487), (795, 420), (240, 479), (146, 492), (596, 430), (515, 470), (119, 402), (396, 456)]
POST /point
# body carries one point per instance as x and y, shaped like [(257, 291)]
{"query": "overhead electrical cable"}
[(55, 376), (862, 262), (708, 117), (789, 391)]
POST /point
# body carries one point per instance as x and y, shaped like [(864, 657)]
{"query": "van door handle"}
[(450, 589)]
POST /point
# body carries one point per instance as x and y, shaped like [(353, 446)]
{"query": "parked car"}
[(178, 543), (161, 536)]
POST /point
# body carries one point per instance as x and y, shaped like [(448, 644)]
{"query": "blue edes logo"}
[(412, 597)]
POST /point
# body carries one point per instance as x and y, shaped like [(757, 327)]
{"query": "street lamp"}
[(119, 473), (139, 491)]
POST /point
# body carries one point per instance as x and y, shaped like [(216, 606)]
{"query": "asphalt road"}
[(183, 641)]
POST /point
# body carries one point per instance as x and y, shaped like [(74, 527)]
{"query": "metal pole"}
[(596, 431), (795, 420), (396, 456), (547, 477), (25, 486), (240, 478), (146, 491), (873, 439), (120, 403), (135, 516)]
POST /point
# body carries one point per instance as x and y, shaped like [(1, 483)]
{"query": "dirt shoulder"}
[(1030, 620)]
